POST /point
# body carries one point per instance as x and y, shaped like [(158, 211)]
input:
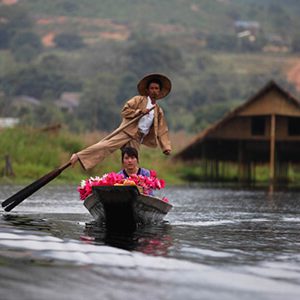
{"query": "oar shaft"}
[(21, 195), (126, 125)]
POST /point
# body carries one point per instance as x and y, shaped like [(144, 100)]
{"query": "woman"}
[(130, 163)]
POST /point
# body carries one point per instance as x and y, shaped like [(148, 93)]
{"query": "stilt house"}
[(264, 130)]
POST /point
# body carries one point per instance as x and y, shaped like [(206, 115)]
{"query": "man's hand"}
[(146, 110), (74, 158), (167, 152)]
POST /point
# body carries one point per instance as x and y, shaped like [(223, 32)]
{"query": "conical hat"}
[(166, 85)]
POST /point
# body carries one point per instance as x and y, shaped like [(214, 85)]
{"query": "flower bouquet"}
[(145, 184)]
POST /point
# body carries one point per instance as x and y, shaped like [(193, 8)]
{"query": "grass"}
[(34, 153)]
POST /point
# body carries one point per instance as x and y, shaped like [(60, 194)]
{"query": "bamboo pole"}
[(272, 150)]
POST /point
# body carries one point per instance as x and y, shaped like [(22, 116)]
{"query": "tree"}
[(280, 18), (225, 42), (127, 88), (69, 41), (97, 108), (25, 46), (52, 63), (146, 56), (5, 105), (37, 82), (296, 43), (13, 19), (4, 37), (208, 114)]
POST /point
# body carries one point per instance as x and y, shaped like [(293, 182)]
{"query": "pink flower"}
[(162, 183), (146, 183), (153, 173), (165, 199)]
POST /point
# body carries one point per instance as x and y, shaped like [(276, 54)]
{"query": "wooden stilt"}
[(204, 159), (272, 152), (240, 161), (8, 170)]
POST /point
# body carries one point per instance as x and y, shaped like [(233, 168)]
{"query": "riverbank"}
[(33, 153)]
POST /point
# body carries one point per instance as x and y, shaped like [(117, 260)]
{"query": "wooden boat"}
[(125, 207)]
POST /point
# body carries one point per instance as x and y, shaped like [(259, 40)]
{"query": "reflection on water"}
[(215, 242), (153, 240), (25, 222)]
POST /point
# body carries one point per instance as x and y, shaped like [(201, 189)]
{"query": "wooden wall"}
[(271, 103)]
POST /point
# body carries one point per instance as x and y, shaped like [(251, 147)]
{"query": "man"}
[(150, 130)]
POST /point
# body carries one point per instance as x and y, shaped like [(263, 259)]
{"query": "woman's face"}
[(129, 162)]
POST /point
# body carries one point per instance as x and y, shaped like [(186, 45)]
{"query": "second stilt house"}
[(264, 130)]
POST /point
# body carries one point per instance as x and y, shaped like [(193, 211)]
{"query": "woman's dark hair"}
[(131, 152)]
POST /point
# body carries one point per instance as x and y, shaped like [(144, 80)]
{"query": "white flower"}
[(104, 176), (82, 183)]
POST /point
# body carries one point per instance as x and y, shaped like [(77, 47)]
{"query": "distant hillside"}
[(186, 15), (217, 53)]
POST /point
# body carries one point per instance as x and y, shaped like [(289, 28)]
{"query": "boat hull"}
[(125, 207)]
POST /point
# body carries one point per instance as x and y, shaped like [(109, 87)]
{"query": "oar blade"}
[(21, 195)]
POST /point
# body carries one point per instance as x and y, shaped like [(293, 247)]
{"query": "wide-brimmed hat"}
[(166, 85)]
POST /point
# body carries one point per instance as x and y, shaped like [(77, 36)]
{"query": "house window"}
[(258, 125), (293, 126)]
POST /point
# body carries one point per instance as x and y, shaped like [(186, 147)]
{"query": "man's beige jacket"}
[(158, 134)]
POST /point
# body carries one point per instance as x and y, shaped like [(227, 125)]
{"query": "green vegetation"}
[(204, 15), (68, 41), (101, 51), (34, 153)]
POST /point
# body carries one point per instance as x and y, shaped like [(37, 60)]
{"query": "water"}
[(215, 243)]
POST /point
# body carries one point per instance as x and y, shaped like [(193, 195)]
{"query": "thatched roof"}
[(206, 133)]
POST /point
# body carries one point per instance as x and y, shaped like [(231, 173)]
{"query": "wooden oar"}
[(21, 195)]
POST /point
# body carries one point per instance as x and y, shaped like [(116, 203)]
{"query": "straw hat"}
[(166, 84)]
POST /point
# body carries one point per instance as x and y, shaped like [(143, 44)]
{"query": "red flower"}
[(153, 173), (146, 183), (165, 199)]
